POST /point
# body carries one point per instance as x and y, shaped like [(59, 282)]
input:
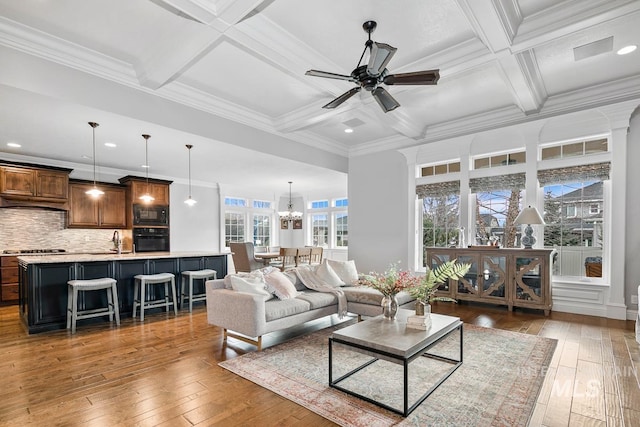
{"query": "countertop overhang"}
[(71, 257)]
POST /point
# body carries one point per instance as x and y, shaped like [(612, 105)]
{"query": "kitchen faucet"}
[(116, 241)]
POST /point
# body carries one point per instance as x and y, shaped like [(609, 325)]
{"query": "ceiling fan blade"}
[(381, 54), (339, 100), (428, 77), (328, 75), (385, 100)]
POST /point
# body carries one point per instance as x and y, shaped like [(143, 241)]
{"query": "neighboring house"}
[(582, 211)]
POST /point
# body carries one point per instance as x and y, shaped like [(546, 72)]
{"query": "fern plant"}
[(425, 290)]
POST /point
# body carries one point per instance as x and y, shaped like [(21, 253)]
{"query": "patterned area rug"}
[(497, 384)]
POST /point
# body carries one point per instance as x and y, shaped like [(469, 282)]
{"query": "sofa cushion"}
[(253, 285), (278, 284), (318, 299), (293, 277), (327, 275), (276, 309), (345, 270)]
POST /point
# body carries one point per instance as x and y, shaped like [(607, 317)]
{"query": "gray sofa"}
[(248, 316)]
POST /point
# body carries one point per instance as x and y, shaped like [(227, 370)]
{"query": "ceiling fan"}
[(375, 73)]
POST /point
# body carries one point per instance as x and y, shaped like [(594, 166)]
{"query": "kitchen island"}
[(43, 280)]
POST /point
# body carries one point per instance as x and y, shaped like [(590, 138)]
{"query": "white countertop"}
[(78, 257)]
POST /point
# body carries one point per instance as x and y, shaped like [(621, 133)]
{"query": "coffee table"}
[(392, 341)]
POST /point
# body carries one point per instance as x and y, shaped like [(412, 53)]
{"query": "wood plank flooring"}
[(164, 372)]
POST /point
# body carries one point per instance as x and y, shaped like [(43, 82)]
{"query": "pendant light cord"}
[(146, 157), (94, 125), (189, 147)]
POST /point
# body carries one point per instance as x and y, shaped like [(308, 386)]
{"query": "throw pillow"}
[(327, 275), (251, 285), (279, 285), (346, 270)]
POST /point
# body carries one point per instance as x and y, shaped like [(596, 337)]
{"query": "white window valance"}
[(513, 181), (440, 189), (595, 171)]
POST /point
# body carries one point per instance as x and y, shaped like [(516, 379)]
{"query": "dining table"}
[(266, 257)]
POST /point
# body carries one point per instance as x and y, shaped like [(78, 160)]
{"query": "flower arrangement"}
[(390, 282), (426, 289)]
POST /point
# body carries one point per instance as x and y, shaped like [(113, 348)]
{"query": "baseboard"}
[(632, 314)]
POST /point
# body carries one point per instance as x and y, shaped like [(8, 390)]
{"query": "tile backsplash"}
[(28, 228)]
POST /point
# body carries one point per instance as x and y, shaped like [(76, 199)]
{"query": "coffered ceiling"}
[(229, 77)]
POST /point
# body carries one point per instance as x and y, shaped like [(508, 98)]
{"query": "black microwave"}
[(150, 215)]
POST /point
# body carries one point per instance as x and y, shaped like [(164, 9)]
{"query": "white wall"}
[(378, 211), (197, 227)]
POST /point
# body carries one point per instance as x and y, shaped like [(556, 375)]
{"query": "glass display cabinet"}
[(511, 277)]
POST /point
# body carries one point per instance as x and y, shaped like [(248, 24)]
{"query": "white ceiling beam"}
[(496, 22)]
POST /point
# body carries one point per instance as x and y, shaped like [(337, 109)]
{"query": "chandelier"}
[(290, 214)]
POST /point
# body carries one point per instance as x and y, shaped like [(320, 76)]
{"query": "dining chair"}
[(303, 256), (243, 257), (287, 258), (316, 255)]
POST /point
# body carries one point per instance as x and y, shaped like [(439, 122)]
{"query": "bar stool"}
[(191, 276), (140, 288), (76, 286)]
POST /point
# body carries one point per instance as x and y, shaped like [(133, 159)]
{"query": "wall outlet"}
[(634, 299)]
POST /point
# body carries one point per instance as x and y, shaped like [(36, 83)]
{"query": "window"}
[(440, 169), (262, 230), (514, 158), (440, 220), (328, 223), (578, 234), (573, 149), (574, 201), (233, 227), (249, 220), (320, 204), (320, 230), (234, 201), (342, 236), (261, 204), (495, 214)]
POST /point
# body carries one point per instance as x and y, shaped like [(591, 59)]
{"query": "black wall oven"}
[(151, 239), (150, 215)]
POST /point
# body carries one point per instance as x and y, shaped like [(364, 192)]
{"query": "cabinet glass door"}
[(528, 279), (469, 284), (435, 260), (493, 277)]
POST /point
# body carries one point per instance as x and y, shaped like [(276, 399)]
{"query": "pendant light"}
[(147, 197), (95, 192), (290, 214), (190, 201)]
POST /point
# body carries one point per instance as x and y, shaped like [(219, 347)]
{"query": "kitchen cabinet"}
[(511, 277), (159, 191), (106, 211), (8, 280), (28, 185)]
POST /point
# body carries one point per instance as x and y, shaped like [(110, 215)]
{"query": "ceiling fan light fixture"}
[(189, 201), (94, 192), (385, 100), (147, 197), (381, 54)]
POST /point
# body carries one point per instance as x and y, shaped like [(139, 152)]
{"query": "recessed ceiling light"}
[(144, 166), (14, 144), (626, 49), (348, 130), (110, 144), (84, 156)]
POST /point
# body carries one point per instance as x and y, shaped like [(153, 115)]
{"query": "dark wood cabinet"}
[(106, 211), (8, 280), (159, 191), (43, 285), (511, 277), (29, 185)]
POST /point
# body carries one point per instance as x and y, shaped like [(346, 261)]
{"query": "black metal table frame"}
[(404, 361)]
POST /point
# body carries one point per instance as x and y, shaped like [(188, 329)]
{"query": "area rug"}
[(497, 384)]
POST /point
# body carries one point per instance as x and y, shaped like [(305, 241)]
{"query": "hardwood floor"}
[(165, 372)]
